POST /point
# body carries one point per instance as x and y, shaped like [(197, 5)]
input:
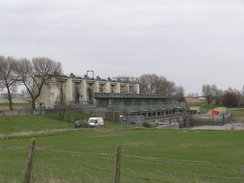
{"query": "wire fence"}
[(58, 165)]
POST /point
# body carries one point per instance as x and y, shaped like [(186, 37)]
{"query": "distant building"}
[(76, 90)]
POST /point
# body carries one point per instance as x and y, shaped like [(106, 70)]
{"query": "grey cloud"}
[(192, 42)]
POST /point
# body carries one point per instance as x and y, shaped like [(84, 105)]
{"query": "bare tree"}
[(219, 97), (210, 92), (154, 84), (8, 77), (231, 98), (35, 74), (179, 94), (148, 83)]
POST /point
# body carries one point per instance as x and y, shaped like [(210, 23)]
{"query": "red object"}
[(214, 112)]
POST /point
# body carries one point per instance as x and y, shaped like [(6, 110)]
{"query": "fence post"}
[(30, 160), (116, 176)]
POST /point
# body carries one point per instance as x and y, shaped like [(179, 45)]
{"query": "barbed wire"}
[(141, 159), (160, 160), (134, 158), (88, 165), (159, 172), (177, 162)]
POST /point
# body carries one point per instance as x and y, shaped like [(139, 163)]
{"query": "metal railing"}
[(146, 107)]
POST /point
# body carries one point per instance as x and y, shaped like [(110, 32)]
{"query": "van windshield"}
[(92, 121)]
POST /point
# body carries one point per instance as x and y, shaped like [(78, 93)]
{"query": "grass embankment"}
[(17, 126)]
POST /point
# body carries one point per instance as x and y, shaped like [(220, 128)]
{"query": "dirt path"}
[(29, 133)]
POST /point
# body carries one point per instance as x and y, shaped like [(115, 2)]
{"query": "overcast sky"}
[(192, 42)]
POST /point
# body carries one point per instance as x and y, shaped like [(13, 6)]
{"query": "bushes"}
[(146, 125), (81, 124), (231, 99)]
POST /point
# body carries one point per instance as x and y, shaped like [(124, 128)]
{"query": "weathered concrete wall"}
[(77, 90), (204, 119)]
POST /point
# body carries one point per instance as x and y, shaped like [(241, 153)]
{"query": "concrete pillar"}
[(117, 88), (107, 87), (181, 122), (83, 90), (146, 114), (54, 95), (127, 88), (69, 91), (187, 121), (137, 88), (96, 87), (46, 95)]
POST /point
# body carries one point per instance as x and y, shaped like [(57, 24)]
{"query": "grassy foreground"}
[(68, 155), (148, 155)]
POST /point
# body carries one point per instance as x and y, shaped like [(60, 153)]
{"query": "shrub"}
[(146, 125), (84, 124), (81, 124), (231, 99)]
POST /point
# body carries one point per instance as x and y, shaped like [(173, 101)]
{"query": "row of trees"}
[(32, 74), (230, 97), (154, 84)]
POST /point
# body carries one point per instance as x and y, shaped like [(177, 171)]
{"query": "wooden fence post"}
[(28, 170), (116, 176)]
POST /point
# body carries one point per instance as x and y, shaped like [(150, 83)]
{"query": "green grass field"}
[(238, 112), (148, 155)]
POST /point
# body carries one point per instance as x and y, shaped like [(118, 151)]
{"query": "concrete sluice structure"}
[(74, 90), (117, 100), (139, 108)]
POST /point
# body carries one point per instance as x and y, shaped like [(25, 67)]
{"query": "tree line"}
[(154, 84), (32, 74), (230, 97)]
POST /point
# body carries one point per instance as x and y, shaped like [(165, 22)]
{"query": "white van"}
[(95, 121)]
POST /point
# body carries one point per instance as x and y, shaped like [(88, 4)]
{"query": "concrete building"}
[(76, 90)]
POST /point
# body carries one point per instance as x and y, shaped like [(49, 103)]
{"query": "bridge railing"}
[(145, 107)]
